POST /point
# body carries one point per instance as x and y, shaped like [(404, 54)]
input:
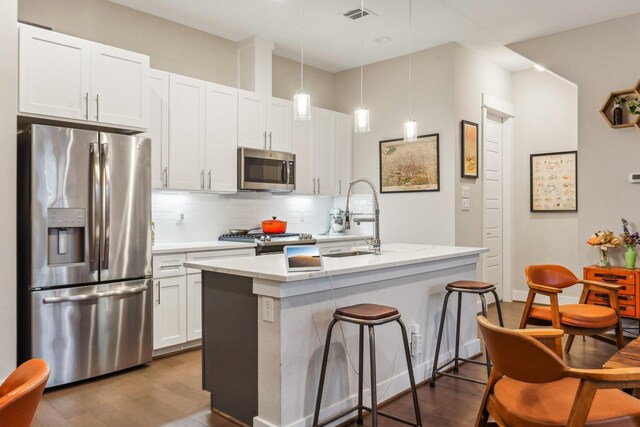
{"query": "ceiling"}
[(332, 41)]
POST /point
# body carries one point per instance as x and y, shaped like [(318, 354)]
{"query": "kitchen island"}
[(264, 328)]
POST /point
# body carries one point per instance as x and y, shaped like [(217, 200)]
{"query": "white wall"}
[(407, 217), (546, 121), (8, 89), (598, 58)]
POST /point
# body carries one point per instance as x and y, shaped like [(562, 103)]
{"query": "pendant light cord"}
[(301, 45), (361, 49), (410, 59)]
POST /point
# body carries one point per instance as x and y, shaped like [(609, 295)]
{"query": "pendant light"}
[(361, 115), (302, 100), (410, 126)]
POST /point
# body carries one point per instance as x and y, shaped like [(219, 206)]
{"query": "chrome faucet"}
[(368, 217)]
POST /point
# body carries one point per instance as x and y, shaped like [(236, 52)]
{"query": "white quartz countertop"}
[(272, 267), (326, 238), (212, 245)]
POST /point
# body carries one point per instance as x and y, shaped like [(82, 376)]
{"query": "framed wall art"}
[(410, 166), (554, 182), (469, 143)]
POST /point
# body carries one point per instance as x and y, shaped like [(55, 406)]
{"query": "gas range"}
[(270, 243)]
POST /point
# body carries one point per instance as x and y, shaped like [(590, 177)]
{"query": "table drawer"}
[(627, 308), (619, 278), (170, 265), (604, 297)]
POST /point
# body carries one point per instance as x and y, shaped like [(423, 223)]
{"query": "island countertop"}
[(272, 267)]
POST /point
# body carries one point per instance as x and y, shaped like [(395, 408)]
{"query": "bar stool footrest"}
[(460, 377), (366, 408)]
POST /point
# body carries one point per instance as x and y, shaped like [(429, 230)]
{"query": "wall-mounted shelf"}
[(629, 120)]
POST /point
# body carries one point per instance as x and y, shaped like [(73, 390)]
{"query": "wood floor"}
[(167, 392)]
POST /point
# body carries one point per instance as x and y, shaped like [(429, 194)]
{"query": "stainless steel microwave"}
[(266, 170)]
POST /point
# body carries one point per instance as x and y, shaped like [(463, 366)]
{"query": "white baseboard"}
[(386, 389), (543, 299)]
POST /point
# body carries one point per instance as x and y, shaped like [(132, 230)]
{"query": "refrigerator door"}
[(86, 331), (125, 241), (63, 205)]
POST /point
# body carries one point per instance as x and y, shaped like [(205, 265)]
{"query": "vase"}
[(604, 259), (630, 257), (617, 115)]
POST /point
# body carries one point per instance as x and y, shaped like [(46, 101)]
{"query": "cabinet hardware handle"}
[(98, 107), (314, 186), (202, 179), (209, 178), (270, 140), (340, 187), (158, 288), (265, 139), (165, 178), (318, 185), (86, 105)]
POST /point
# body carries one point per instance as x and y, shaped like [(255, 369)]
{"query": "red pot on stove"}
[(274, 226)]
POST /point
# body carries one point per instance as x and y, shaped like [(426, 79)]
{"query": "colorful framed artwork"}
[(469, 141), (410, 166), (554, 182)]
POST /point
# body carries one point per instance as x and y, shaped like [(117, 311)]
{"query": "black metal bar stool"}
[(369, 315), (463, 287)]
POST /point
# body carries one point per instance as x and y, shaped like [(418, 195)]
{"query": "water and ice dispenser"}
[(66, 231)]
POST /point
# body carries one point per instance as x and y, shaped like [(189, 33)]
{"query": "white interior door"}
[(493, 200)]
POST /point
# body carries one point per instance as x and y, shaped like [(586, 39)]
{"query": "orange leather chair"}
[(20, 393), (573, 319), (530, 385)]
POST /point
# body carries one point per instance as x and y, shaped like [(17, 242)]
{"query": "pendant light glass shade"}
[(410, 130), (302, 105), (361, 120)]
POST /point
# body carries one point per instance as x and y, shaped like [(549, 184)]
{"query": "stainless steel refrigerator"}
[(84, 251)]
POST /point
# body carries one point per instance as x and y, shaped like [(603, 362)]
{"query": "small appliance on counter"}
[(337, 221)]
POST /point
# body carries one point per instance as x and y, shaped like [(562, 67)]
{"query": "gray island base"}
[(264, 328)]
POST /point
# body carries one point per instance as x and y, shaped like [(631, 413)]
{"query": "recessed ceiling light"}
[(383, 39), (539, 67)]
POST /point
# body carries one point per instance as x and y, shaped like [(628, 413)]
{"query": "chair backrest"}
[(552, 275), (20, 393), (520, 357)]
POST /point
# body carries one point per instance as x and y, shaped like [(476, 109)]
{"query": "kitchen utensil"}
[(274, 226), (242, 231), (337, 221)]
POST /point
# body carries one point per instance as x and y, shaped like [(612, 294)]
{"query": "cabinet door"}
[(159, 127), (305, 164), (186, 133), (279, 117), (322, 140), (343, 138), (55, 73), (169, 312), (119, 86), (194, 307), (222, 138), (252, 120)]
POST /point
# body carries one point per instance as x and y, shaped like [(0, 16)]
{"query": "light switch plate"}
[(465, 191), (465, 204)]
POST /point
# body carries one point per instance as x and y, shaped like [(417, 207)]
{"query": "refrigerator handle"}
[(94, 194), (105, 205)]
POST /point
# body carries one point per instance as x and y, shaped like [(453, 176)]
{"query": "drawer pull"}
[(169, 267)]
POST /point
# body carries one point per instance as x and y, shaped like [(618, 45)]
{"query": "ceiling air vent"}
[(357, 13)]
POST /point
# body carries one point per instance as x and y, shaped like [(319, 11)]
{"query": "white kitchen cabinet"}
[(65, 77), (343, 148), (119, 86), (187, 128), (55, 74), (252, 120), (159, 127), (305, 161), (169, 311), (194, 307), (221, 138), (322, 142), (279, 118)]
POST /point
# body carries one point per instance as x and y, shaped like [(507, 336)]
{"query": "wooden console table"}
[(627, 296)]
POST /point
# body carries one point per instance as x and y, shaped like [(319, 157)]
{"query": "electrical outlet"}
[(267, 309)]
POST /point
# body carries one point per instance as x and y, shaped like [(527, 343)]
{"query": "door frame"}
[(506, 110)]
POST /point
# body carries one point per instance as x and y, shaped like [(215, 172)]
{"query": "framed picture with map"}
[(554, 182), (469, 139), (410, 166)]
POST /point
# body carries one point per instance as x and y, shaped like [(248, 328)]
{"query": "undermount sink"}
[(347, 254)]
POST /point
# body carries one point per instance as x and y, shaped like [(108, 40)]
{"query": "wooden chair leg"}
[(527, 308), (483, 413), (619, 335), (582, 403), (569, 343)]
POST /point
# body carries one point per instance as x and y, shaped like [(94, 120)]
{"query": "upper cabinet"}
[(323, 149), (159, 128), (264, 123), (343, 133), (64, 77), (221, 138)]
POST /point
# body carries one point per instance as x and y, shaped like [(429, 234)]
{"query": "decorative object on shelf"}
[(410, 166), (361, 115), (630, 240), (554, 182), (469, 142), (410, 126), (302, 100), (604, 240), (614, 114)]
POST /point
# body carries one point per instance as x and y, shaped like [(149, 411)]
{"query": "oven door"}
[(266, 170)]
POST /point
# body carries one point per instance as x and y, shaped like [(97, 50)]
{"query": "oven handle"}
[(96, 295), (283, 172)]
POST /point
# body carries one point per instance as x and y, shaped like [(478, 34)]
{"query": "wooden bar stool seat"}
[(369, 315), (463, 287)]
